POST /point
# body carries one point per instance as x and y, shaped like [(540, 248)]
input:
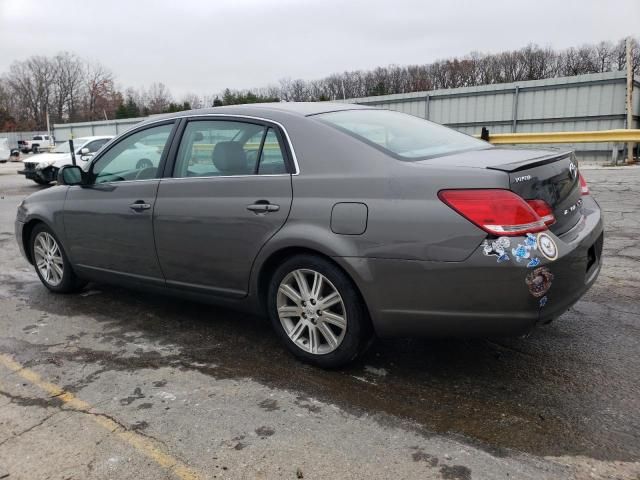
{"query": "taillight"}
[(543, 210), (499, 212), (584, 188)]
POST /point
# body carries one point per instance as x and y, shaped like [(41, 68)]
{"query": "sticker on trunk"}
[(547, 246), (497, 248), (539, 282)]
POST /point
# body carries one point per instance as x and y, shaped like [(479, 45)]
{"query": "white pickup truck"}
[(37, 143)]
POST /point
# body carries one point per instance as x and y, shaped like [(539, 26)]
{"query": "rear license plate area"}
[(594, 252)]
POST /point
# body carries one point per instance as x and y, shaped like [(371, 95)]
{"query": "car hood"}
[(57, 160), (47, 157)]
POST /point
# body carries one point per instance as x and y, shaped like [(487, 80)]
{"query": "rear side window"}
[(216, 148), (401, 135), (271, 160)]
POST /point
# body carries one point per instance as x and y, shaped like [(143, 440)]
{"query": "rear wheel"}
[(317, 311), (51, 263)]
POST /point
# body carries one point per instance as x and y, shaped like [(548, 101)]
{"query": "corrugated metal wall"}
[(585, 102), (64, 131)]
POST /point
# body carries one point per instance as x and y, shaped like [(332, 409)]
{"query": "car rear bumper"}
[(481, 296)]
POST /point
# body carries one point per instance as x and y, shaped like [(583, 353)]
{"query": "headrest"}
[(230, 158)]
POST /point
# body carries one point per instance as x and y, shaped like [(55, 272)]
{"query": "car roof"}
[(303, 109)]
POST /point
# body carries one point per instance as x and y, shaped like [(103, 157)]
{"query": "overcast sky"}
[(203, 46)]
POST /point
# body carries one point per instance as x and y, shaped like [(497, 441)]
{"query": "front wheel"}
[(41, 181), (317, 311), (51, 263)]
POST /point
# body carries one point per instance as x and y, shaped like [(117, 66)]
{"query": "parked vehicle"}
[(5, 152), (37, 143), (43, 168), (338, 221)]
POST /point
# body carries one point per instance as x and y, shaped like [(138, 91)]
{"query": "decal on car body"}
[(548, 247), (496, 248), (539, 281)]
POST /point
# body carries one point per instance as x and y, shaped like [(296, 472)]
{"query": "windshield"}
[(402, 135), (61, 148)]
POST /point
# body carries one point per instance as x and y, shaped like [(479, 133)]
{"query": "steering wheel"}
[(143, 163), (146, 173)]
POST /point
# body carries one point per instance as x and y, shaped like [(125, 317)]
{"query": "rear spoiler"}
[(531, 163)]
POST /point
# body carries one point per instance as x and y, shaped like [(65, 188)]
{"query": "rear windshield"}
[(401, 135)]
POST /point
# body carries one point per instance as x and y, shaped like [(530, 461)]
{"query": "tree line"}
[(73, 89)]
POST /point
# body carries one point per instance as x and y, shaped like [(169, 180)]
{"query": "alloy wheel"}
[(311, 311), (48, 258)]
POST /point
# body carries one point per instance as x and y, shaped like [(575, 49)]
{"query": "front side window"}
[(399, 134), (216, 148), (136, 157)]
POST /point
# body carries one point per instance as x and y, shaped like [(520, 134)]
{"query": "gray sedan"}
[(340, 222)]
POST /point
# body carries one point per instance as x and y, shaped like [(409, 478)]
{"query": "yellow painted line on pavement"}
[(141, 443)]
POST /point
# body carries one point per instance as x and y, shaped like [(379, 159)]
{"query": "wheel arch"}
[(26, 236), (270, 264), (27, 231)]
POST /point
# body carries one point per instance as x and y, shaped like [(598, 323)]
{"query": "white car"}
[(43, 168), (5, 152)]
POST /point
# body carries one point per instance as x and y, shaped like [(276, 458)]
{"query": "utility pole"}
[(629, 99), (49, 129)]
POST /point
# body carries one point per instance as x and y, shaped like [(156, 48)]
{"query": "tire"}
[(40, 181), (40, 241), (294, 318), (35, 149)]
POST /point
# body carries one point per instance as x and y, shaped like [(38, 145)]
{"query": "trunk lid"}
[(533, 174)]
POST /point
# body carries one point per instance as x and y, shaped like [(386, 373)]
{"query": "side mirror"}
[(70, 175), (84, 151)]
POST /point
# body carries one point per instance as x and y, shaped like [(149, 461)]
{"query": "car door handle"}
[(139, 206), (263, 207)]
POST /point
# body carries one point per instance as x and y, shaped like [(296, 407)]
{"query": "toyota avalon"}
[(339, 222)]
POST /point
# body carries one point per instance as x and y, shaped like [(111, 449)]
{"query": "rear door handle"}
[(139, 206), (263, 207)]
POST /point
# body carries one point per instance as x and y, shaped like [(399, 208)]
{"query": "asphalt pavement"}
[(110, 383)]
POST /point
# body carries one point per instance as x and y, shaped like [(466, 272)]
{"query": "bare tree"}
[(99, 88), (159, 98), (193, 100), (68, 85), (32, 83)]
